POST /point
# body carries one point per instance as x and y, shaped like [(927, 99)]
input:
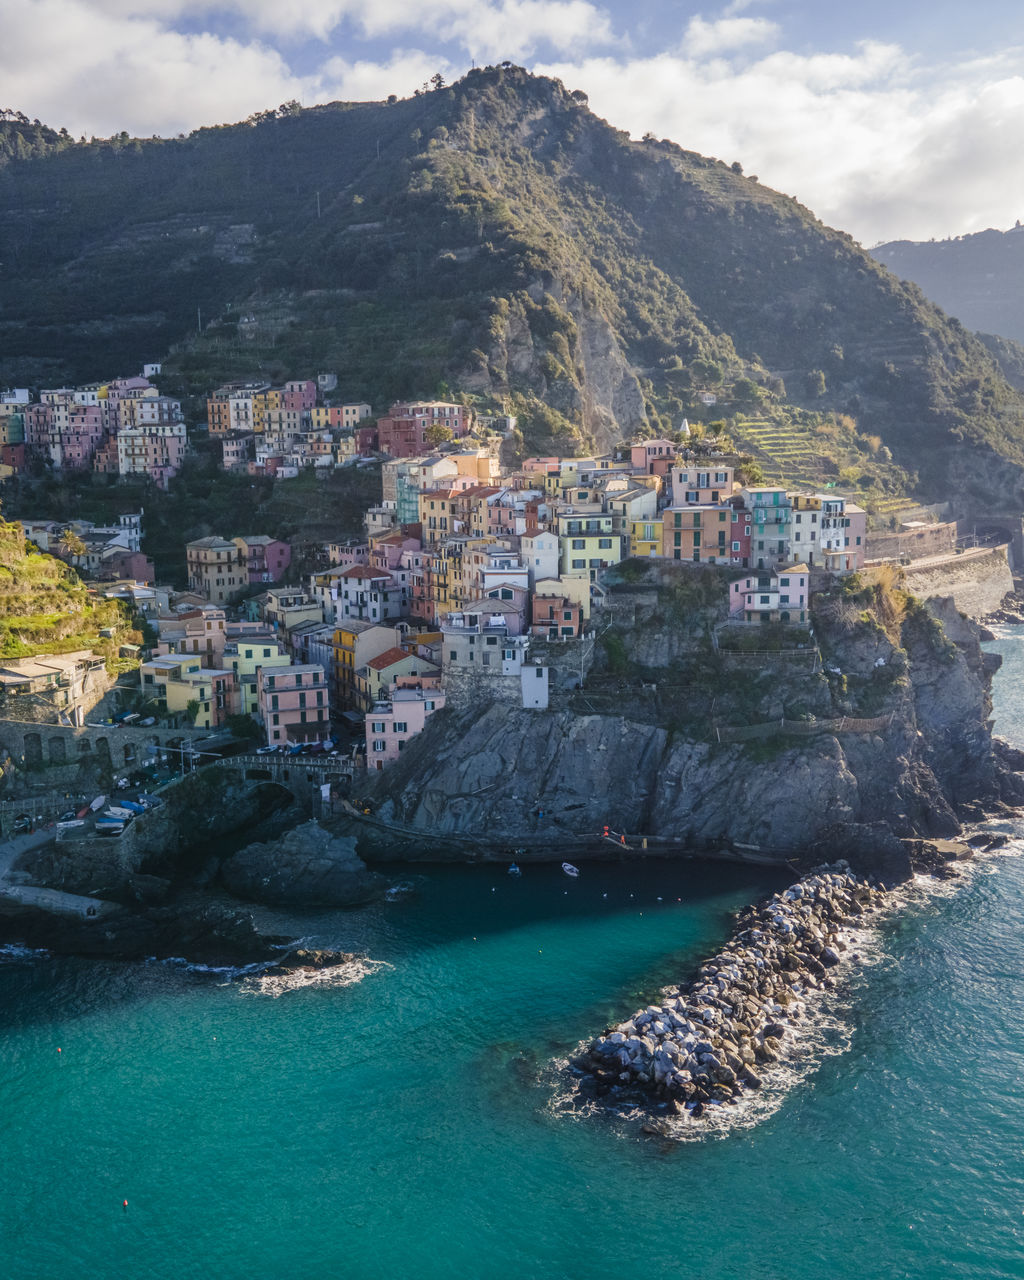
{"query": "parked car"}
[(266, 751)]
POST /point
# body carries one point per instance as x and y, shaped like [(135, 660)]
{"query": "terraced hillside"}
[(818, 451)]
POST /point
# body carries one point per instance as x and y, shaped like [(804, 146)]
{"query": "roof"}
[(363, 572), (209, 544), (484, 604), (388, 659)]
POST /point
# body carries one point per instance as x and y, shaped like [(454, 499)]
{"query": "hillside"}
[(977, 278), (498, 238), (46, 608)]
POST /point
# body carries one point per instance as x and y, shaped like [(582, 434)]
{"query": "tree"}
[(438, 434), (706, 371), (71, 545), (815, 382)]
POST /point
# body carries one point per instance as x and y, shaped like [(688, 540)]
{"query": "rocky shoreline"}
[(709, 1042)]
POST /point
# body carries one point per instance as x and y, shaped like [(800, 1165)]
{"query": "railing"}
[(802, 728)]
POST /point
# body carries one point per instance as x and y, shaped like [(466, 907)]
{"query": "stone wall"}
[(53, 744), (977, 583), (930, 540)]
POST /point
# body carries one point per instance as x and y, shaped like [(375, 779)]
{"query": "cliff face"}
[(893, 728)]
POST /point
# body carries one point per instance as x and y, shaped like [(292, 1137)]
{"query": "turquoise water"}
[(410, 1125)]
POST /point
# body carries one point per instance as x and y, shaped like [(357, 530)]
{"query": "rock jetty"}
[(709, 1041)]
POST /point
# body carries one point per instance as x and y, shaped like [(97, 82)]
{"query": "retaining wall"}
[(977, 583)]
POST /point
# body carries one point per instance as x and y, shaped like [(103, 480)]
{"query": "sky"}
[(890, 119)]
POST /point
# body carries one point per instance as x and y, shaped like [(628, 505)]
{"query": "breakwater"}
[(708, 1042)]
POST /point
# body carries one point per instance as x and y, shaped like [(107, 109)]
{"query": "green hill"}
[(46, 608), (496, 237)]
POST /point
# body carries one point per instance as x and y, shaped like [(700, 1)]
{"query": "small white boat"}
[(514, 870), (570, 870)]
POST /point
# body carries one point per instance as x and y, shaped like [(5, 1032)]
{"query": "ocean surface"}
[(410, 1119)]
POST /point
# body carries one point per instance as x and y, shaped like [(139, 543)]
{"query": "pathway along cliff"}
[(647, 746)]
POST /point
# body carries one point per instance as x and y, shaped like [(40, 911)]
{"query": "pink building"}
[(266, 559), (391, 723), (293, 703), (700, 485), (237, 449), (643, 456), (403, 432), (298, 396), (772, 595)]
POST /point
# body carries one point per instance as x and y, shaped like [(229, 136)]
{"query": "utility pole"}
[(318, 195)]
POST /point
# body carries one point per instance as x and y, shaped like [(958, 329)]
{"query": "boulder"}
[(308, 867)]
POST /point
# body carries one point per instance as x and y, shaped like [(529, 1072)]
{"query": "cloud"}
[(492, 27), (874, 142), (703, 38)]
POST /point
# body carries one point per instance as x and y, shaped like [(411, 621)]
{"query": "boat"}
[(570, 870), (514, 870)]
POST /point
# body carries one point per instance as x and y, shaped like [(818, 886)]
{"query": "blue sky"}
[(899, 119)]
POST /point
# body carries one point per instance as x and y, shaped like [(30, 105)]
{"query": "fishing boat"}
[(514, 870), (570, 870)]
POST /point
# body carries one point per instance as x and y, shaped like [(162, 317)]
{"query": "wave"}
[(11, 953), (276, 985)]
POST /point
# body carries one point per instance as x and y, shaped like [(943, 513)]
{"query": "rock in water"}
[(309, 867)]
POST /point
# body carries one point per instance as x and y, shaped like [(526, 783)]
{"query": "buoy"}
[(58, 1050), (126, 1206)]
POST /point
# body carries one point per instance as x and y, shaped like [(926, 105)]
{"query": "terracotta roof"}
[(363, 571), (388, 659)]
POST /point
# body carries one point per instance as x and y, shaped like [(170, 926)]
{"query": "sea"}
[(411, 1115)]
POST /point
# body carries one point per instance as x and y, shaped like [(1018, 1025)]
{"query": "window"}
[(377, 726), (735, 546), (578, 544), (508, 654), (579, 564), (604, 543), (377, 745), (783, 582), (401, 727), (273, 702)]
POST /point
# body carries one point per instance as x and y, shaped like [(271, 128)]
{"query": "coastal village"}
[(468, 571)]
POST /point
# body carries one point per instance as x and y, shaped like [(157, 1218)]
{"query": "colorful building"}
[(294, 703)]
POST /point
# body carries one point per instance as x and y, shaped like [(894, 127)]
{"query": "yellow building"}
[(176, 681), (245, 655), (645, 537)]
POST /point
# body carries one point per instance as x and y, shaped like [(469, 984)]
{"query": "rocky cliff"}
[(767, 753)]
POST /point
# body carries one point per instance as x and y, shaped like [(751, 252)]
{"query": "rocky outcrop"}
[(205, 931), (307, 867), (480, 782), (713, 1039)]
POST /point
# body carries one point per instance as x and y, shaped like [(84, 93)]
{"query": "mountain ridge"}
[(497, 237)]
